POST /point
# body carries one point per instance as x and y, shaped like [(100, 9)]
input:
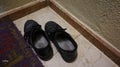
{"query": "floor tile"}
[(88, 54), (57, 61), (92, 56), (83, 45), (42, 16), (104, 62)]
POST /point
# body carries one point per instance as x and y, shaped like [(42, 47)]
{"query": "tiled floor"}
[(88, 55)]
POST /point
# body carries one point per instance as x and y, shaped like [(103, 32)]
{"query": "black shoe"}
[(38, 39), (62, 40)]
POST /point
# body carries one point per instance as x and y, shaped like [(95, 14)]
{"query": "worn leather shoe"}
[(64, 43), (38, 39)]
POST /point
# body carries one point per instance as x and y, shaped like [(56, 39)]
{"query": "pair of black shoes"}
[(40, 40)]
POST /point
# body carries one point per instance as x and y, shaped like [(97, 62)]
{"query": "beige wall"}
[(103, 16)]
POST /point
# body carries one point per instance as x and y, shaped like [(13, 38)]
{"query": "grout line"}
[(77, 36)]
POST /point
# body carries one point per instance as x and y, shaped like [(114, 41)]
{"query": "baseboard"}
[(16, 14)]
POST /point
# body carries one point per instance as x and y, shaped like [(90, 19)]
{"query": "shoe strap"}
[(27, 35), (51, 34), (60, 30), (57, 30)]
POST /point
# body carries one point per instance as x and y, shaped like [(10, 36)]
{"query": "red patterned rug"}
[(14, 51)]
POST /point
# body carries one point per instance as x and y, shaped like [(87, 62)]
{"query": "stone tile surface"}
[(88, 54)]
